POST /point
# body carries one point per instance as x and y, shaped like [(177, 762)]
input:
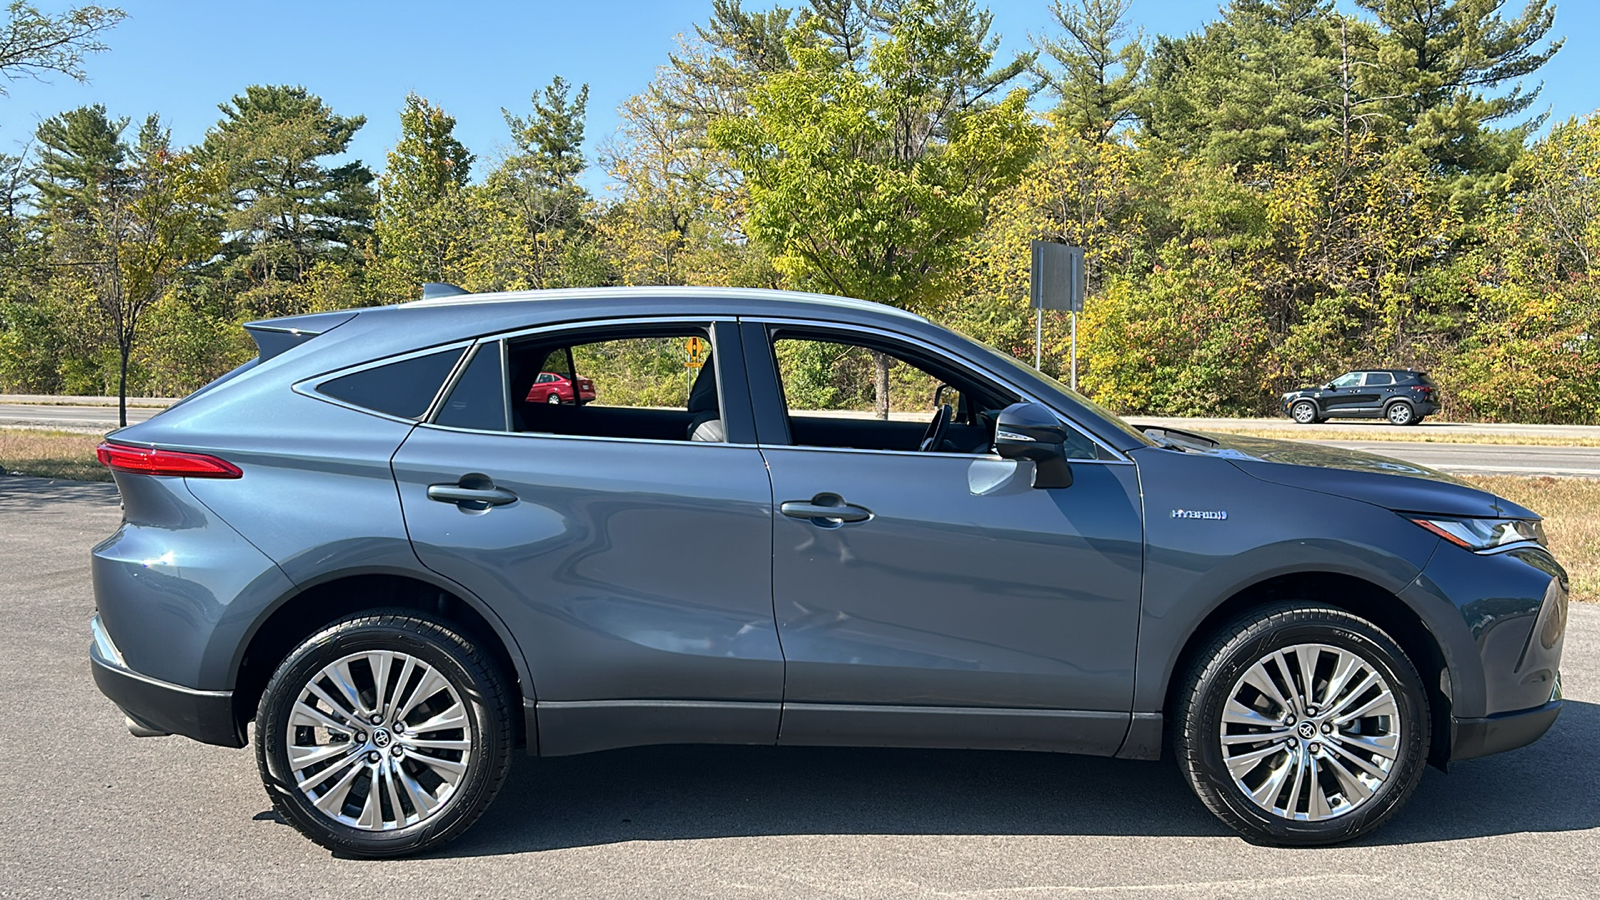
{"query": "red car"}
[(553, 387)]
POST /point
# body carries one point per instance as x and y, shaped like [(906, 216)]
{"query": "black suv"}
[(1402, 396)]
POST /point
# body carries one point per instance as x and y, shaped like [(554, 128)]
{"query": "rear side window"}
[(1379, 379), (478, 400), (404, 389)]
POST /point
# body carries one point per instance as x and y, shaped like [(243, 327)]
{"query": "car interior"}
[(659, 409), (955, 413)]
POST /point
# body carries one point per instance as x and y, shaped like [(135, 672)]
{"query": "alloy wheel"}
[(1311, 732), (379, 740), (1304, 413)]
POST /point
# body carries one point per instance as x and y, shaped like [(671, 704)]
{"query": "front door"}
[(948, 603)]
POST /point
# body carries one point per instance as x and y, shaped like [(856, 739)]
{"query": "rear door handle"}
[(825, 509), (474, 491)]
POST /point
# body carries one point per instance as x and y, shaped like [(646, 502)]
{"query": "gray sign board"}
[(1057, 277)]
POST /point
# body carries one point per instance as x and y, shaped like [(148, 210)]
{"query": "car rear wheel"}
[(553, 399), (1302, 725), (1401, 413), (1304, 412), (384, 734)]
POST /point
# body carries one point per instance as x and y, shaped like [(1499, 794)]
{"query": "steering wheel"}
[(933, 438)]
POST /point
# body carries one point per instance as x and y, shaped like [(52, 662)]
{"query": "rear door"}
[(633, 570), (955, 605), (1377, 388)]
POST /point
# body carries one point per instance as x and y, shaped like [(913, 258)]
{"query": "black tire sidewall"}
[(440, 648), (1209, 773)]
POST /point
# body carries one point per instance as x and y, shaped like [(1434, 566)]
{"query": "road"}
[(1486, 459), (69, 418), (90, 812)]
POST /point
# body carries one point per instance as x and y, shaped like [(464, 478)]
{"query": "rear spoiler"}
[(274, 336)]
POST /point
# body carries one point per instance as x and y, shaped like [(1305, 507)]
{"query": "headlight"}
[(1482, 535)]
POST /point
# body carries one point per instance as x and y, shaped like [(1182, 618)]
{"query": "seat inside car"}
[(705, 423)]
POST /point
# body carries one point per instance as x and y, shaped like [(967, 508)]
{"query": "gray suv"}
[(372, 544)]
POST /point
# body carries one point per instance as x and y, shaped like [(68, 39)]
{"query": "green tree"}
[(535, 231), (1098, 60), (864, 182), (34, 45), (289, 206), (422, 229), (1453, 68), (125, 238)]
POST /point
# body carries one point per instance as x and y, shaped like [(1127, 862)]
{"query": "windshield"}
[(1012, 365)]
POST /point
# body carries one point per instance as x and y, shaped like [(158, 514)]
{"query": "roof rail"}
[(433, 290)]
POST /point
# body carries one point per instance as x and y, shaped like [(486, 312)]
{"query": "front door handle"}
[(825, 509), (474, 492)]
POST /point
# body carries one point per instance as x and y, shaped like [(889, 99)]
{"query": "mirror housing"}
[(1032, 432), (939, 392)]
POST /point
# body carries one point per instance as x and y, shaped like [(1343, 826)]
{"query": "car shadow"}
[(32, 493), (682, 793)]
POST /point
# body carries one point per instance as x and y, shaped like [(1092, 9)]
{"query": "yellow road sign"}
[(698, 348)]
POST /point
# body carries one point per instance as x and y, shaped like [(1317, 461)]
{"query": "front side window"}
[(847, 392), (1349, 379)]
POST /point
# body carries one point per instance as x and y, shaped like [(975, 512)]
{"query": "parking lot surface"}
[(88, 811)]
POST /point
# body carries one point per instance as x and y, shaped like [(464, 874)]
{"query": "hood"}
[(1368, 477)]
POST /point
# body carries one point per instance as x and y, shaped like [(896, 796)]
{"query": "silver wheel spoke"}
[(302, 757), (307, 715), (454, 717), (411, 773), (1312, 770)]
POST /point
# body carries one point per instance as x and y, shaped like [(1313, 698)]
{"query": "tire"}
[(426, 795), (1304, 412), (553, 399), (1401, 413), (1290, 809)]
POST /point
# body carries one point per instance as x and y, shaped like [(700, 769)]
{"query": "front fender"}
[(1194, 565)]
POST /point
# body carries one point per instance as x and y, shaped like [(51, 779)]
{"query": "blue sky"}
[(182, 57)]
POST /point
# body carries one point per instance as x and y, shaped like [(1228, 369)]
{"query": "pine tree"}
[(422, 232), (1097, 82), (290, 208)]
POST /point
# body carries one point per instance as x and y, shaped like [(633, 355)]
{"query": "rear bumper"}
[(1472, 738), (206, 716)]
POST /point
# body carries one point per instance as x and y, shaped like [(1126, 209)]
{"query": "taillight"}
[(147, 461)]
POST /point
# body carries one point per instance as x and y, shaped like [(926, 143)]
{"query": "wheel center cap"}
[(380, 737), (1307, 730)]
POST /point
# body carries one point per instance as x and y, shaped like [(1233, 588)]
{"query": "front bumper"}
[(1471, 738), (158, 706)]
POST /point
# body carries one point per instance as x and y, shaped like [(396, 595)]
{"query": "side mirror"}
[(1030, 431), (939, 392)]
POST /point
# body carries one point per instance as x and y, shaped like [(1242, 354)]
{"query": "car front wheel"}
[(1401, 413), (1303, 725), (1304, 412), (384, 734)]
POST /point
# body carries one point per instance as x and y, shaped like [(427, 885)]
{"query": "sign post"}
[(1056, 281)]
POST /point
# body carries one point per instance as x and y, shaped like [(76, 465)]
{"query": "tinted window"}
[(402, 389), (479, 398), (1379, 379), (1349, 379)]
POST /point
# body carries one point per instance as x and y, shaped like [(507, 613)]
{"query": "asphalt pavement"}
[(86, 811)]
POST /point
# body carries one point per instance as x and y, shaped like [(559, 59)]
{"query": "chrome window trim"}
[(894, 337), (309, 387)]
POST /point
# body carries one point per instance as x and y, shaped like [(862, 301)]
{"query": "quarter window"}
[(404, 389)]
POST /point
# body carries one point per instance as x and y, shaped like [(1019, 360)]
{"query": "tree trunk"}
[(122, 387), (880, 384)]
